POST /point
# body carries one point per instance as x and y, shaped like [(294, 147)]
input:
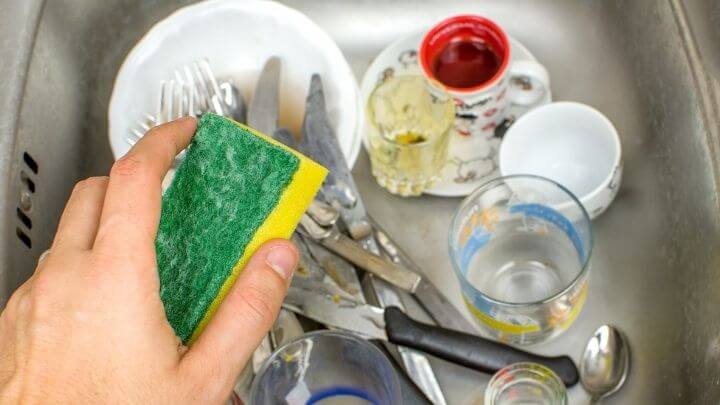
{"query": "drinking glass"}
[(408, 133), (526, 384), (520, 247), (326, 367)]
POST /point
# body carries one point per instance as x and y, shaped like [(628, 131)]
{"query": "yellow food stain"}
[(336, 299), (410, 138)]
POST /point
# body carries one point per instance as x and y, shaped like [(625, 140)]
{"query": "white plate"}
[(238, 37), (459, 176)]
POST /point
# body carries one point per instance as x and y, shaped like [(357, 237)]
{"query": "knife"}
[(318, 258), (353, 251), (391, 324), (262, 115), (440, 309), (319, 142), (311, 276), (338, 269), (264, 106)]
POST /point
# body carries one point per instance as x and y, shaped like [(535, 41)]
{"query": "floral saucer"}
[(472, 156)]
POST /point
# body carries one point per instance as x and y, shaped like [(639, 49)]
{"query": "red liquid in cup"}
[(466, 62)]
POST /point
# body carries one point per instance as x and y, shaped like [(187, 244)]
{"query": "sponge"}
[(235, 190)]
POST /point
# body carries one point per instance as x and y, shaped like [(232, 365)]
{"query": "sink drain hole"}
[(27, 181), (24, 218), (23, 237), (30, 162)]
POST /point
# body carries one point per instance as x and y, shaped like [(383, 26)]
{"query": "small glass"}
[(326, 367), (520, 247), (409, 130), (526, 384)]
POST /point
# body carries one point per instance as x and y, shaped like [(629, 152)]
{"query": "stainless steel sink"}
[(651, 67)]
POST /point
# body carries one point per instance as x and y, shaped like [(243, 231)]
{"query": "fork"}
[(193, 91)]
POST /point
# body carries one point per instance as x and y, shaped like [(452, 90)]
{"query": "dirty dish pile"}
[(445, 111)]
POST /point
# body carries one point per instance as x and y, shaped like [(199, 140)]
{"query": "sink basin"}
[(646, 65)]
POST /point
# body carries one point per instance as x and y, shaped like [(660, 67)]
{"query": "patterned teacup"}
[(469, 57)]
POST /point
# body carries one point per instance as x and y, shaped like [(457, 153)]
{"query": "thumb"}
[(244, 317)]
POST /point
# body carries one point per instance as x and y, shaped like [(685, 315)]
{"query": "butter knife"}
[(263, 110), (262, 115)]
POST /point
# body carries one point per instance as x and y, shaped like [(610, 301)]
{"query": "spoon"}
[(605, 363)]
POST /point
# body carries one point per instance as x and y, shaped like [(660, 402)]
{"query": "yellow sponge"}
[(235, 190)]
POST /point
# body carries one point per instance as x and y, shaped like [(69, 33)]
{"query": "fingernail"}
[(283, 260)]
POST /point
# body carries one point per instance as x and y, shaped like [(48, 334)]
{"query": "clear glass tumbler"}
[(525, 384), (326, 367), (408, 133), (520, 247)]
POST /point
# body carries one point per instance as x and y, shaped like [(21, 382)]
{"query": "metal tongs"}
[(329, 236)]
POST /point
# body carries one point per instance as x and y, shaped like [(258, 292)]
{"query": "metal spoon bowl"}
[(605, 363)]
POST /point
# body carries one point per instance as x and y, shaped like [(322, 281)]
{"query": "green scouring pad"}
[(235, 190)]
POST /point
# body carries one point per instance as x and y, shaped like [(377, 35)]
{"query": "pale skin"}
[(89, 326)]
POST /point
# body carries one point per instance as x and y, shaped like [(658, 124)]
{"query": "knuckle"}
[(14, 306), (89, 183), (42, 286), (103, 260), (39, 296), (199, 383), (258, 303), (107, 267), (128, 165), (96, 181)]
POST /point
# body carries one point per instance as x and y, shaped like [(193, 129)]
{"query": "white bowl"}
[(238, 37), (570, 143)]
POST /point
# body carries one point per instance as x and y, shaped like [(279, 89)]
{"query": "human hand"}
[(89, 326)]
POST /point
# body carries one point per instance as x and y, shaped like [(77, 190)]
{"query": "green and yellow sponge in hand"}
[(235, 190)]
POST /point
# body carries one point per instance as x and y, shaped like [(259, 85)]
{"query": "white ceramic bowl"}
[(570, 143), (238, 37)]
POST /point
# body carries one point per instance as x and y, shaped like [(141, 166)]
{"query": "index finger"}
[(131, 210)]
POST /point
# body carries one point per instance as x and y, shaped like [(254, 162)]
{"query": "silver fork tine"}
[(195, 100), (169, 102), (210, 75), (137, 133), (161, 103), (216, 96), (202, 86), (179, 98), (149, 122), (193, 90), (180, 101)]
